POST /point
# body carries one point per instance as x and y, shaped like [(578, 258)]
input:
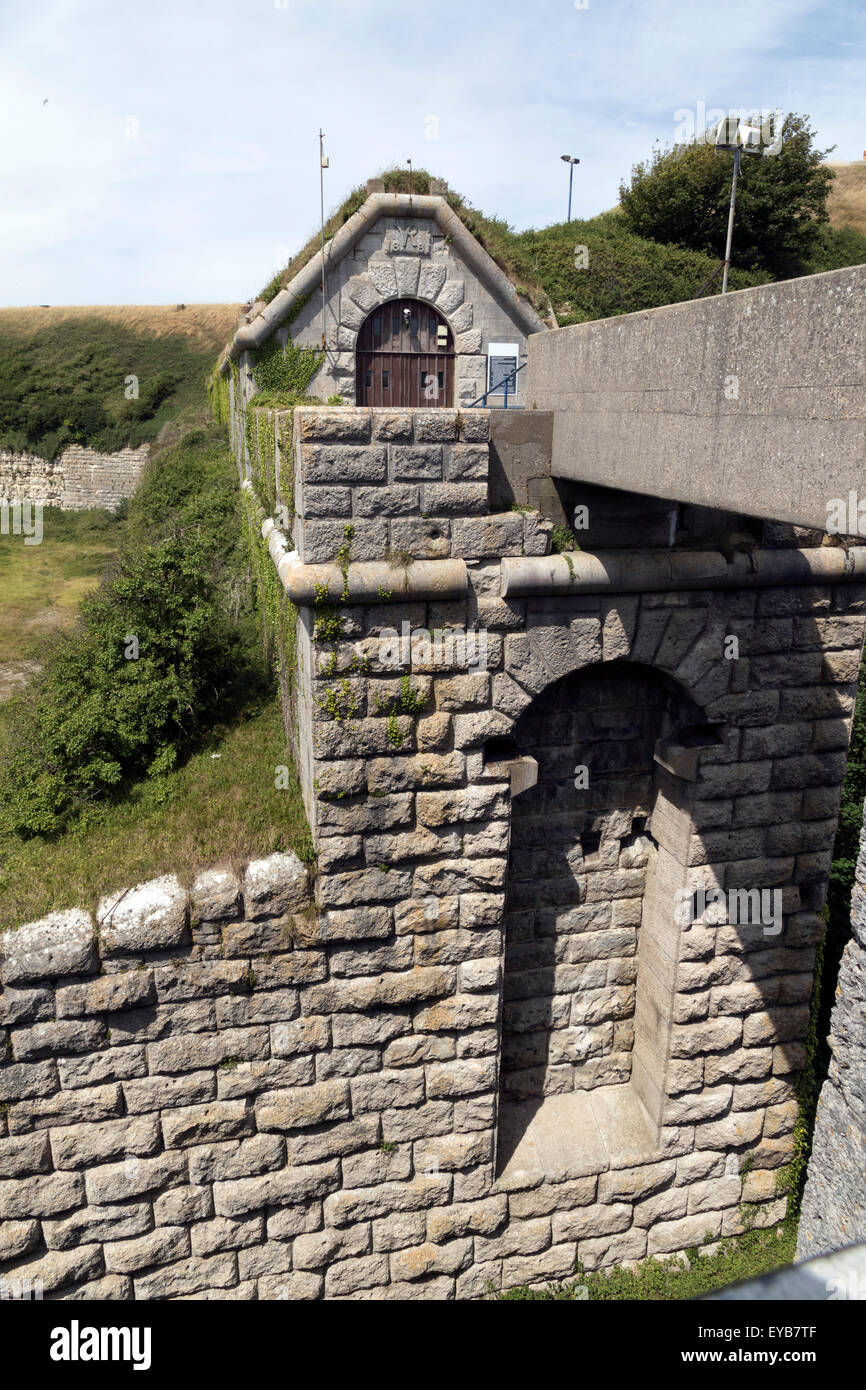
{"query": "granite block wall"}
[(834, 1201), (285, 1090)]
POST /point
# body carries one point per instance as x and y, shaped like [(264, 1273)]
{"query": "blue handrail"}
[(500, 386)]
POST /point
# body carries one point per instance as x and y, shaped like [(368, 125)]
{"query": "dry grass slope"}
[(847, 202), (208, 324)]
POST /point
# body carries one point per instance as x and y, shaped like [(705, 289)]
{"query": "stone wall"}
[(258, 1097), (232, 1096), (80, 478), (834, 1200)]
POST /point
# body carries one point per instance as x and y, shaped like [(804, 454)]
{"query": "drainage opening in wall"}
[(591, 931)]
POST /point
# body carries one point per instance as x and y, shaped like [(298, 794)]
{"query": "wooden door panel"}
[(399, 350)]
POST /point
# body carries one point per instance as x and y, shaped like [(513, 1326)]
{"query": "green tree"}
[(164, 649), (682, 195)]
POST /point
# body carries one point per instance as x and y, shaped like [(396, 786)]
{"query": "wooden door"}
[(405, 357)]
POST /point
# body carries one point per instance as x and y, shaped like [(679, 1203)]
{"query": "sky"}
[(167, 151)]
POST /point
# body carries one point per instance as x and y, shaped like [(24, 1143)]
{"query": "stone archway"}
[(598, 856), (407, 278)]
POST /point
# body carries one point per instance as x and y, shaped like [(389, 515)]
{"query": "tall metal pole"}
[(731, 219), (322, 214), (570, 177)]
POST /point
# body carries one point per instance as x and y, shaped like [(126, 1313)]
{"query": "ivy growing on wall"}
[(284, 371), (277, 615), (218, 392)]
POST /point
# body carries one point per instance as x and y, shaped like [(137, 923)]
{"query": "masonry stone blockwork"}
[(494, 1043), (834, 1200), (406, 249), (79, 479)]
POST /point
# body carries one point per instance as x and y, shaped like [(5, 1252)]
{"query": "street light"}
[(323, 165), (730, 134), (570, 161)]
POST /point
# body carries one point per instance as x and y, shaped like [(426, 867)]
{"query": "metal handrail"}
[(501, 386)]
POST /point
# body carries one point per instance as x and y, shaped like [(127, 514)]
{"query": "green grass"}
[(621, 273), (42, 585), (625, 272), (219, 801), (730, 1260), (215, 808)]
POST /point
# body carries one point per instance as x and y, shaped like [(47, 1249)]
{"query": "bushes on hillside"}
[(682, 196), (163, 650), (71, 384), (598, 268)]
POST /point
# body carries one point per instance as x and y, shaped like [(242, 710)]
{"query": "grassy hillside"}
[(847, 201), (617, 272), (219, 806), (119, 764), (65, 373)]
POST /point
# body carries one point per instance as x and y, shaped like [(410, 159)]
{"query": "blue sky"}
[(163, 151)]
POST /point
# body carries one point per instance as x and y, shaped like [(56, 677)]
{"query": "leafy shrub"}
[(837, 247), (94, 719), (621, 272), (682, 196)]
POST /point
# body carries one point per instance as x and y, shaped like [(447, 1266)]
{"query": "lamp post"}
[(730, 134), (323, 165), (570, 160)]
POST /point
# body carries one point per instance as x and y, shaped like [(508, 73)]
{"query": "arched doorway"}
[(405, 356)]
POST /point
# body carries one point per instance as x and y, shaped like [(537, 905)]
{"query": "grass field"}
[(209, 324), (847, 201), (221, 806), (42, 585)]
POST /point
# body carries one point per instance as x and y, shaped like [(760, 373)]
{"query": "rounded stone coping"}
[(63, 943), (151, 916), (375, 207), (366, 581), (658, 570)]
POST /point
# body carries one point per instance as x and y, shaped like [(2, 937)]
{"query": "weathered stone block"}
[(128, 989), (276, 885), (300, 1107), (64, 943), (78, 1146), (150, 917)]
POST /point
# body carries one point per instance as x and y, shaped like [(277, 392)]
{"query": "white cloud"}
[(228, 98)]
